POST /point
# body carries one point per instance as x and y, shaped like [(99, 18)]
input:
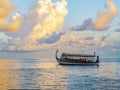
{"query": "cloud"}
[(87, 25), (7, 22), (81, 41), (104, 18), (103, 44), (42, 24), (4, 38), (50, 18), (42, 27), (117, 30), (73, 37), (102, 22), (97, 39), (89, 38), (104, 37), (52, 39), (6, 8), (101, 38)]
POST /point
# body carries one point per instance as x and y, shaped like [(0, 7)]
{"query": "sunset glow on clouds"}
[(7, 23), (45, 25), (104, 18), (50, 18)]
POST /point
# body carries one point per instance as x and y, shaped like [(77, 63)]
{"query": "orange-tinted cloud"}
[(7, 23), (104, 18), (81, 41)]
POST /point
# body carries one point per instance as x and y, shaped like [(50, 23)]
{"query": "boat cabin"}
[(82, 58)]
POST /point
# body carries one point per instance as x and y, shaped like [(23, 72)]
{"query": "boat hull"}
[(74, 63)]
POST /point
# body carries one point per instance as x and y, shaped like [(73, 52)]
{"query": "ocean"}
[(46, 74)]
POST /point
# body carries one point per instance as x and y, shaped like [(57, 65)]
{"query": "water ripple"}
[(51, 76)]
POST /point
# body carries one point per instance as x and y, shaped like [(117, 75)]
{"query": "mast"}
[(94, 53)]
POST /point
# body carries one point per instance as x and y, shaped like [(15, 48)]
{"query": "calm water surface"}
[(48, 75)]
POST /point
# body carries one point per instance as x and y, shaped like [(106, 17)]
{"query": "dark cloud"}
[(117, 30), (89, 38), (104, 37), (90, 44), (88, 24), (52, 39)]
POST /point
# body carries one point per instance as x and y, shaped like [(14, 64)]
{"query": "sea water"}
[(46, 74)]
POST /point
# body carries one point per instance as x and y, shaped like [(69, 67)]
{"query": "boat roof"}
[(77, 55)]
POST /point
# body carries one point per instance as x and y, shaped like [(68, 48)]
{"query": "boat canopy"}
[(77, 55)]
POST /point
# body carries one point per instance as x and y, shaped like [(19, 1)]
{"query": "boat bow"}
[(56, 55)]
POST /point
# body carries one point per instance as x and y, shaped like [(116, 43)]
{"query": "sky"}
[(72, 26)]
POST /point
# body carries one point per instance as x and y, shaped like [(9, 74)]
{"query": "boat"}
[(77, 59)]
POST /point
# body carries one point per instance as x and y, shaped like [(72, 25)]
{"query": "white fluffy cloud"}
[(42, 20), (50, 18)]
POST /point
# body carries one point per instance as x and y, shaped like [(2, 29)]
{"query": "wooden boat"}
[(77, 59)]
